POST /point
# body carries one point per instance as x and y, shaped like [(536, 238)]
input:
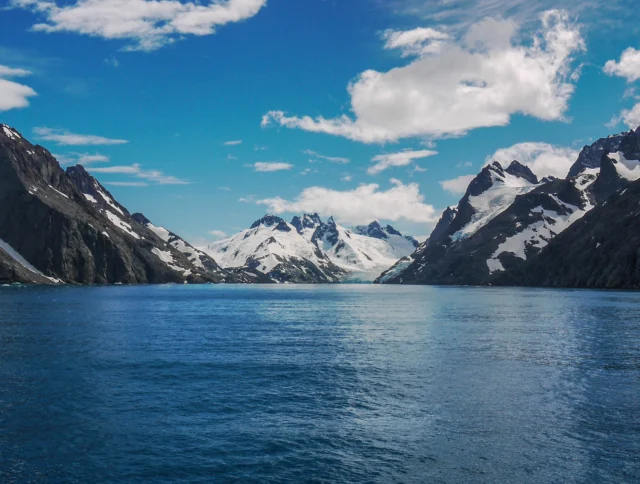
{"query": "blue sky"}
[(362, 109)]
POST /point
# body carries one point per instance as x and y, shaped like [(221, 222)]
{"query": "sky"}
[(206, 115)]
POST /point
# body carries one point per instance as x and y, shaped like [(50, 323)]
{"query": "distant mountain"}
[(310, 250), (508, 217), (64, 227)]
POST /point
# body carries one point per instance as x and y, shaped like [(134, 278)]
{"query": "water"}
[(318, 384)]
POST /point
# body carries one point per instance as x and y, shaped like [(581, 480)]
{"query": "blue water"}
[(318, 384)]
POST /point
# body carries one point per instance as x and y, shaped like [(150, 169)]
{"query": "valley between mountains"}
[(510, 228)]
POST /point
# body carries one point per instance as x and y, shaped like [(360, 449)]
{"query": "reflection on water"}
[(318, 384)]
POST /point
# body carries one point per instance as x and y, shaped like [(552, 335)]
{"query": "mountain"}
[(602, 250), (364, 252), (507, 216), (310, 250), (61, 226), (277, 249)]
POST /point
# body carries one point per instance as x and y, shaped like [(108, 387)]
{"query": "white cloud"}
[(403, 158), (66, 138), (153, 176), (479, 80), (457, 186), (418, 41), (332, 159), (147, 24), (630, 117), (13, 94), (218, 234), (81, 158), (224, 189), (346, 178), (266, 166), (628, 66), (542, 158), (361, 205), (233, 143)]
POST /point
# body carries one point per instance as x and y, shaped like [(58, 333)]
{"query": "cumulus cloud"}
[(13, 94), (147, 24), (404, 158), (332, 159), (360, 205), (542, 158), (478, 80), (457, 186), (628, 66), (66, 138), (267, 166), (153, 176)]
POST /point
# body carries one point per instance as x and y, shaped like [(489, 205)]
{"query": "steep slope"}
[(602, 250), (276, 248), (507, 217), (65, 227), (200, 260)]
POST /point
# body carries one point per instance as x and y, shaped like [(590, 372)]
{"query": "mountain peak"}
[(390, 230), (307, 221), (141, 219), (518, 169), (7, 131), (268, 221)]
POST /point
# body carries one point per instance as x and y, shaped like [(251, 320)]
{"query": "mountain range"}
[(310, 250), (509, 228)]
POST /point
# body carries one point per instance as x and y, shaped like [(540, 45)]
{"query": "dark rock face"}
[(328, 232), (374, 229), (90, 187), (601, 250), (608, 181), (67, 230), (306, 222), (443, 224), (591, 155), (518, 169), (267, 221)]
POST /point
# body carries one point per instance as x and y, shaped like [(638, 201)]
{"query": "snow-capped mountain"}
[(507, 216), (364, 252), (58, 226), (276, 248), (310, 250)]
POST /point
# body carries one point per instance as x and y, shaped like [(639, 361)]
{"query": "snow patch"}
[(494, 201), (167, 258), (10, 133), (23, 262), (627, 169), (59, 192), (121, 224)]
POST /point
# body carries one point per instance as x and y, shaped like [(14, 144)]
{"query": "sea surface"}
[(335, 384)]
